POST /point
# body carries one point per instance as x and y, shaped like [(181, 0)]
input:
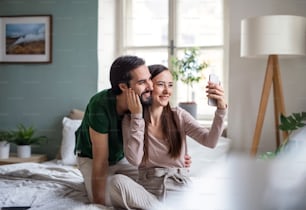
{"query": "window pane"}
[(214, 58), (147, 23), (151, 56), (200, 23)]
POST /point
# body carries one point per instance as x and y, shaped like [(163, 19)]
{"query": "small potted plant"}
[(24, 138), (189, 70), (4, 144)]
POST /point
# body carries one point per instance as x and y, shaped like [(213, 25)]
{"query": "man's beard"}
[(147, 101)]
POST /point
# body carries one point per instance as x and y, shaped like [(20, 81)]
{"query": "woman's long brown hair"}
[(170, 127)]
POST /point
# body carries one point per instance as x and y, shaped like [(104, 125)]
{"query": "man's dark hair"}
[(120, 71)]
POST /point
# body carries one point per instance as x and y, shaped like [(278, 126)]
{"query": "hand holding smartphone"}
[(214, 79)]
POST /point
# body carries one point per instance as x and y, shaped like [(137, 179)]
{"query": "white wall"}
[(246, 76)]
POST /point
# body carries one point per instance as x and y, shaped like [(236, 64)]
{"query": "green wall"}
[(40, 95)]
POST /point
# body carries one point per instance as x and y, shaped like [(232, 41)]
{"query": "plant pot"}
[(190, 107), (4, 150), (24, 151)]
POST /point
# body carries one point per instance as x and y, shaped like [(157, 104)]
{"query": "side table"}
[(36, 158)]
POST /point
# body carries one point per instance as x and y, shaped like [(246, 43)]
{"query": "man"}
[(99, 138), (99, 143)]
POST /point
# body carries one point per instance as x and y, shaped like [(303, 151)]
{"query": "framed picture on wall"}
[(26, 39)]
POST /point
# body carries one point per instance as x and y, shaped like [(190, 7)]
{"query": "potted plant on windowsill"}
[(4, 144), (24, 138), (188, 70)]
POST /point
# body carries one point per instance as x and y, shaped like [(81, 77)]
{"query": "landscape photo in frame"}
[(26, 39)]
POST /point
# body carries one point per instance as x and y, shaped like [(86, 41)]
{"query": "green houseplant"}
[(4, 144), (5, 136), (288, 123), (189, 70), (24, 137)]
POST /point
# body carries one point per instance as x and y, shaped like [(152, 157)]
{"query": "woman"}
[(155, 136)]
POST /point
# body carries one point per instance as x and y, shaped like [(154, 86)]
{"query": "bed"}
[(58, 184)]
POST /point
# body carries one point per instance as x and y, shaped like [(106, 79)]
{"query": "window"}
[(158, 29)]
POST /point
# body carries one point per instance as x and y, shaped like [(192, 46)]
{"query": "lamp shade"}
[(273, 35)]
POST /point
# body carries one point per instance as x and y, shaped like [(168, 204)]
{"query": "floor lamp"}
[(272, 36)]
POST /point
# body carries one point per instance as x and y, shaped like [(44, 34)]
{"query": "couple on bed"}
[(131, 145)]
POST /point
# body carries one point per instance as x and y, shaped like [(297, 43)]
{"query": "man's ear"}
[(123, 86)]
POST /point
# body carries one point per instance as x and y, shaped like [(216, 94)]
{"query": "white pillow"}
[(203, 157), (68, 140)]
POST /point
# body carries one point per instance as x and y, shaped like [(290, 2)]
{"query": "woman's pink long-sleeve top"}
[(133, 139)]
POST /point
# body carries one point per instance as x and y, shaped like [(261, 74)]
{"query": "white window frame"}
[(118, 46)]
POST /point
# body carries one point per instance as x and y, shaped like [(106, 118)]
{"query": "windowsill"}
[(207, 123)]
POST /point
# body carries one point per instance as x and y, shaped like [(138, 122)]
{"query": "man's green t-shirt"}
[(101, 115)]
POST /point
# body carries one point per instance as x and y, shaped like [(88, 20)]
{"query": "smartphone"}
[(214, 79)]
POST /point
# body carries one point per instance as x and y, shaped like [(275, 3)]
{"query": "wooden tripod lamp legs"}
[(272, 76)]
